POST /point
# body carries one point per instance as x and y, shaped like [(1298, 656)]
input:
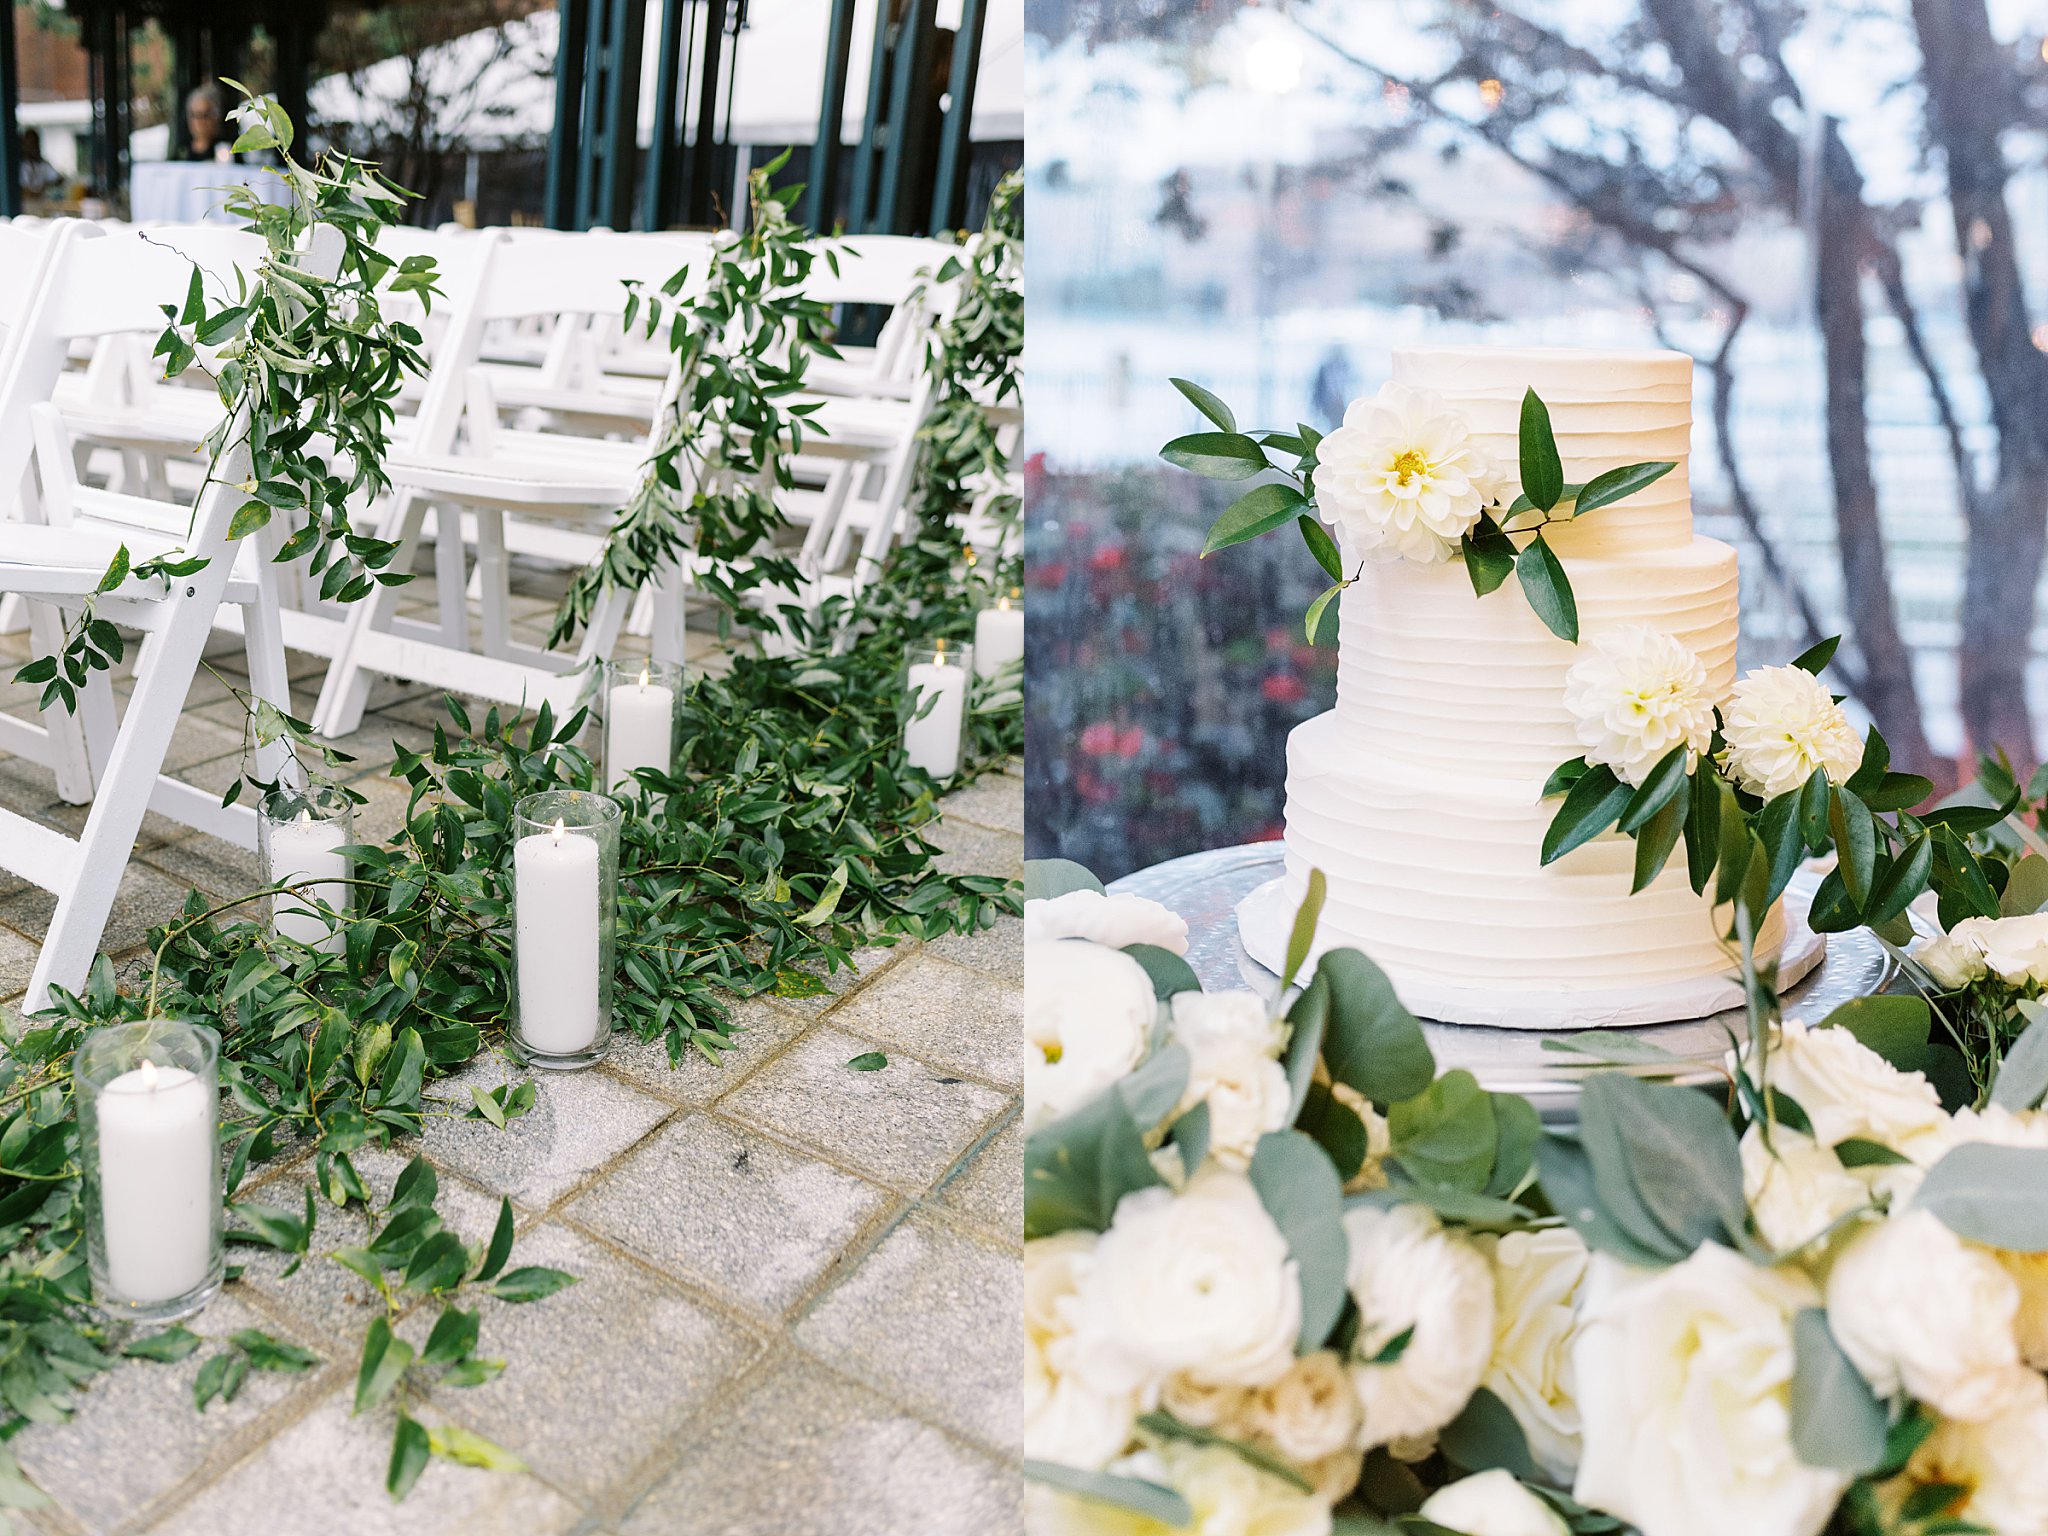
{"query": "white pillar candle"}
[(998, 637), (639, 726), (159, 1182), (933, 742), (555, 899), (309, 849)]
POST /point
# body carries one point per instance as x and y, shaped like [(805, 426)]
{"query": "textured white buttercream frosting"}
[(1420, 795)]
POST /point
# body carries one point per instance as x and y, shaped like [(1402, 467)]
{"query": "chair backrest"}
[(24, 248), (885, 270)]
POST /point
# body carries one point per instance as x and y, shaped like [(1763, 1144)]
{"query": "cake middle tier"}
[(1432, 675)]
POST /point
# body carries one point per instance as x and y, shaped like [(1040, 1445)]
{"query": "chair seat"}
[(60, 563), (862, 427), (503, 480)]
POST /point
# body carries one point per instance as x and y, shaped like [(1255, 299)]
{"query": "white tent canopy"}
[(496, 87)]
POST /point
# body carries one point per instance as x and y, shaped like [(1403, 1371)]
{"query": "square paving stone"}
[(990, 1189), (994, 800), (866, 965), (579, 1122), (998, 949), (765, 1027), (930, 1319), (136, 1435), (731, 1210), (967, 849), (221, 870), (802, 1452), (144, 899), (599, 1375), (17, 962), (951, 1016), (904, 1124), (324, 1476)]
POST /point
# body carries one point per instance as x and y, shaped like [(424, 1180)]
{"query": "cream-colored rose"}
[(1403, 477), (1065, 1419), (2029, 1272), (1207, 1404), (1379, 1139), (1309, 1413), (1537, 1277), (1780, 724), (1410, 1276), (1685, 1383), (2014, 949), (1951, 960), (1492, 1504), (1088, 1018), (1914, 1306), (1634, 694), (2001, 1465), (1112, 921), (1796, 1187), (1197, 1283), (1848, 1090), (1232, 1039), (1337, 1474), (1226, 1022)]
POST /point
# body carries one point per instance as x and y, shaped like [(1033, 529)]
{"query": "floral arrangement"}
[(1283, 1278), (1403, 479)]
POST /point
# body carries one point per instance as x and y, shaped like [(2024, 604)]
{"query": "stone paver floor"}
[(800, 1285)]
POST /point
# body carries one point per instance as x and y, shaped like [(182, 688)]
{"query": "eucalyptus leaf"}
[(1371, 1042), (1150, 1500), (1047, 878), (1300, 1190), (1994, 1195), (2022, 1077), (1837, 1422)]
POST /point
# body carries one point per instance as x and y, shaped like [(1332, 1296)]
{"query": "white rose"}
[(1112, 921), (2002, 1464), (1308, 1414), (1492, 1504), (1848, 1090), (1951, 960), (1402, 477), (1198, 1282), (1537, 1278), (1088, 1017), (1780, 724), (1796, 1187), (2014, 949), (1634, 694), (1065, 1419), (1685, 1381), (1407, 1273), (1226, 1021), (1914, 1306), (1231, 1040)]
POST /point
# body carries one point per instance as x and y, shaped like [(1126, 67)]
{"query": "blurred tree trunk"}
[(1969, 82)]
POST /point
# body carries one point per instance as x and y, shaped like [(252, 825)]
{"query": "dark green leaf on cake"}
[(1815, 658), (1548, 589), (1612, 485), (1259, 510), (1322, 546), (1313, 621), (1217, 455), (1542, 470), (1592, 805), (1489, 555), (1659, 788)]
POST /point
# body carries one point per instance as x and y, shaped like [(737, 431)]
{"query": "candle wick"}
[(558, 830)]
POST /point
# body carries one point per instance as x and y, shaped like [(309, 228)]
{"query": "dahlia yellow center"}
[(1408, 464), (1053, 1051)]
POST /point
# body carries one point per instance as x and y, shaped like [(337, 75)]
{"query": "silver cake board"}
[(1206, 888)]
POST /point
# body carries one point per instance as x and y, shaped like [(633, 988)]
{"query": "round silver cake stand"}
[(1205, 888)]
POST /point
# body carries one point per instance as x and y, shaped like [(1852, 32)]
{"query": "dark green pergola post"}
[(611, 114), (949, 186), (564, 160), (697, 198), (867, 153), (911, 69), (10, 129), (823, 193), (659, 182)]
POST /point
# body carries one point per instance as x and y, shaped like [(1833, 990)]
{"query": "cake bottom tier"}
[(1439, 879)]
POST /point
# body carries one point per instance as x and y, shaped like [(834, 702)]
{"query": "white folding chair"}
[(90, 290)]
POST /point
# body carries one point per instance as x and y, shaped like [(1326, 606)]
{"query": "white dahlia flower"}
[(1780, 724), (1634, 695), (1410, 1276), (1402, 477), (1116, 921)]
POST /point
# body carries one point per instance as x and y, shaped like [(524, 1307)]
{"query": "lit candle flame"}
[(558, 829), (148, 1076), (645, 669), (1003, 602)]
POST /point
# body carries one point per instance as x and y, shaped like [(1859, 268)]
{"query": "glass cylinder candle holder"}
[(147, 1099), (642, 708), (302, 836), (565, 902), (999, 634), (935, 686)]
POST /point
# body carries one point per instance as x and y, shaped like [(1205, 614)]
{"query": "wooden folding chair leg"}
[(666, 636), (269, 678), (346, 690), (70, 759)]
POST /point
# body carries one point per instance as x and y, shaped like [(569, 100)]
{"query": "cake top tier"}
[(1606, 409)]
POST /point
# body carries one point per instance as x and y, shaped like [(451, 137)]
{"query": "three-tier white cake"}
[(1419, 796)]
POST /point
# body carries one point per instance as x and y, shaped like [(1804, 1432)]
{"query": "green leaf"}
[(1312, 621), (1307, 1020), (1591, 806), (1485, 1435), (454, 1335), (1612, 485), (535, 1282), (1322, 546), (1994, 1195), (452, 1442), (1301, 938), (1703, 824), (1489, 555), (410, 1448), (250, 516), (1217, 455), (1300, 1190), (1672, 1150), (168, 1347), (1208, 404), (1077, 1168), (1548, 589), (1169, 972), (1565, 1171), (1147, 1499), (2022, 1077), (1371, 1042), (1167, 1427), (1904, 879), (1657, 790), (1047, 878), (2026, 887), (1259, 510), (383, 1365), (1894, 1025), (267, 1353), (1815, 658), (500, 1248), (1855, 836), (1837, 1422), (1858, 1153), (1335, 1127), (1656, 841), (1445, 1137), (869, 1061), (1542, 470)]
